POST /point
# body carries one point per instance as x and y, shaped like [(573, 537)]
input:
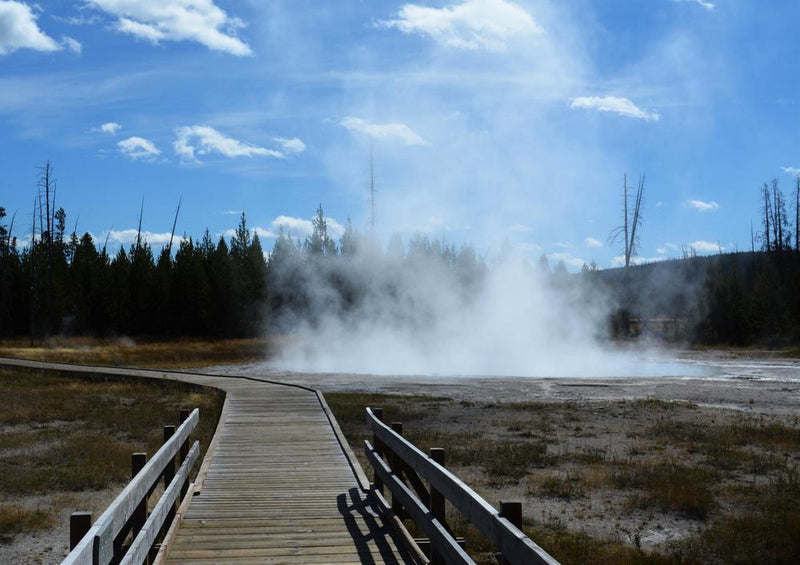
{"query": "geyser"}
[(422, 315)]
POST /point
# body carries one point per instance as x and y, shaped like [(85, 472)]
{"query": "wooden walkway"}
[(277, 485)]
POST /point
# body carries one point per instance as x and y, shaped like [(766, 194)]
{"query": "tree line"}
[(739, 298), (61, 283), (215, 287)]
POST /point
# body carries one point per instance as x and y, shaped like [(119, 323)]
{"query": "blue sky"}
[(489, 119)]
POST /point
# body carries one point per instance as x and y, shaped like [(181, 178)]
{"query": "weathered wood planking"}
[(276, 487), (279, 489)]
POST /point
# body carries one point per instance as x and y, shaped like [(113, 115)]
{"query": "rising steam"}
[(387, 315)]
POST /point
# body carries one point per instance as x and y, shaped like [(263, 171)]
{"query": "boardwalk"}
[(276, 487), (280, 489)]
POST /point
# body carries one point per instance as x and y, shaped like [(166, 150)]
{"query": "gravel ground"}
[(751, 381)]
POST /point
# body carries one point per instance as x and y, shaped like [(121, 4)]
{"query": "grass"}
[(179, 353), (730, 482), (69, 434), (668, 486), (14, 519)]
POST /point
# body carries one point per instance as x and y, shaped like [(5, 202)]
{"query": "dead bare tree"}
[(797, 214), (174, 224), (631, 220), (767, 211)]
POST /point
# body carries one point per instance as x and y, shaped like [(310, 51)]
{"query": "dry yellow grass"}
[(66, 434), (181, 353)]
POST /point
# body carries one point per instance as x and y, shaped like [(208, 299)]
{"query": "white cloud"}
[(592, 242), (202, 140), (390, 131), (795, 172), (706, 247), (72, 44), (701, 206), (472, 24), (294, 227), (177, 20), (293, 146), (520, 228), (77, 20), (18, 29), (108, 127), (127, 237), (300, 226), (617, 105), (710, 6), (138, 148)]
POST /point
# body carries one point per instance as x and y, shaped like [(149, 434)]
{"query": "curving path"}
[(278, 485)]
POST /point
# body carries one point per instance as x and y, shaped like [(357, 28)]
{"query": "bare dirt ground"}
[(750, 381)]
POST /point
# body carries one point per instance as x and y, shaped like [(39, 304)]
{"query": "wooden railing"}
[(403, 469), (126, 518)]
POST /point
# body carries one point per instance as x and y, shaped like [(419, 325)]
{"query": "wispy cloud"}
[(701, 205), (389, 131), (72, 44), (710, 6), (472, 24), (592, 242), (794, 171), (109, 128), (202, 140), (177, 20), (127, 237), (615, 105), (19, 30), (138, 148), (293, 146), (568, 260), (706, 247), (294, 227)]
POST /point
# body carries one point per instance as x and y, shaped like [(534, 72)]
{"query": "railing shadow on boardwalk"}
[(358, 506)]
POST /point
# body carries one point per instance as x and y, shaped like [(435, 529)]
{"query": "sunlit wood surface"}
[(276, 488)]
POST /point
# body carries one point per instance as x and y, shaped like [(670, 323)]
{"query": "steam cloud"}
[(388, 315)]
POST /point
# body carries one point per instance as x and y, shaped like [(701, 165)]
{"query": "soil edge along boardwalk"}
[(278, 486)]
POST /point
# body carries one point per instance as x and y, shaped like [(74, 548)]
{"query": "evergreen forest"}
[(66, 283)]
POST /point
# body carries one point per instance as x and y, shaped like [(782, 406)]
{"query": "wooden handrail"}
[(512, 543), (97, 546)]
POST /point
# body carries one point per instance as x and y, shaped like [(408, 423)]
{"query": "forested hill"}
[(732, 298)]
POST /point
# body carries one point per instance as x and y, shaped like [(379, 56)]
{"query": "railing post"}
[(184, 415), (396, 466), (511, 511), (79, 525), (139, 517), (437, 503), (376, 480)]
